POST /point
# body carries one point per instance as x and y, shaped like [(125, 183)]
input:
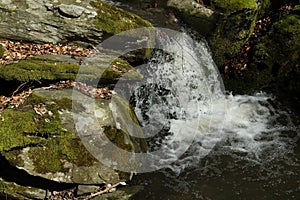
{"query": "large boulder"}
[(41, 138), (63, 21), (226, 24)]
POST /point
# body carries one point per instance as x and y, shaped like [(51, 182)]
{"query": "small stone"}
[(71, 10), (84, 189)]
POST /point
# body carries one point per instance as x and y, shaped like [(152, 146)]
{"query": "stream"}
[(237, 146)]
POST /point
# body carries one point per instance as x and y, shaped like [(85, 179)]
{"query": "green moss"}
[(122, 64), (264, 8), (139, 144), (64, 103), (76, 153), (234, 5), (13, 128), (23, 127), (1, 50), (47, 69), (275, 60), (52, 154), (231, 34), (47, 158), (49, 123), (115, 20), (224, 48), (280, 49), (37, 70)]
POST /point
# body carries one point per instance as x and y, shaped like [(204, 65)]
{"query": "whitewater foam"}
[(185, 98)]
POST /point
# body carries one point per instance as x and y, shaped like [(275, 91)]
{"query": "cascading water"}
[(181, 105), (229, 145)]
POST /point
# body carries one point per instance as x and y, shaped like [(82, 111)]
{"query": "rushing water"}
[(243, 147), (238, 146)]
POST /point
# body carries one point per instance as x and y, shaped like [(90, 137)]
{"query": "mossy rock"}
[(230, 6), (48, 145), (279, 53), (275, 65), (235, 26), (226, 24), (114, 20), (55, 68)]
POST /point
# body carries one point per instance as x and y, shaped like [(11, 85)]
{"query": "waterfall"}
[(184, 111)]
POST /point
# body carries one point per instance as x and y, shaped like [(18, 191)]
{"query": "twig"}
[(109, 188), (19, 88)]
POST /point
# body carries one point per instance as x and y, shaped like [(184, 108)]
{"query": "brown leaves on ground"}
[(96, 93), (13, 101), (16, 100), (14, 51)]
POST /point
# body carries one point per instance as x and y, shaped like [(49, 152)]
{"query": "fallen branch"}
[(108, 188)]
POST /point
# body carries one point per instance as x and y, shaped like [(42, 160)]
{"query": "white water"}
[(182, 93)]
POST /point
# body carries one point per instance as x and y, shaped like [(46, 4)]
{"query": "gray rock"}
[(62, 20), (25, 193), (71, 10)]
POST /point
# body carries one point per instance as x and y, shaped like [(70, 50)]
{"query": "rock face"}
[(226, 24), (41, 138), (277, 55), (63, 20), (274, 66)]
